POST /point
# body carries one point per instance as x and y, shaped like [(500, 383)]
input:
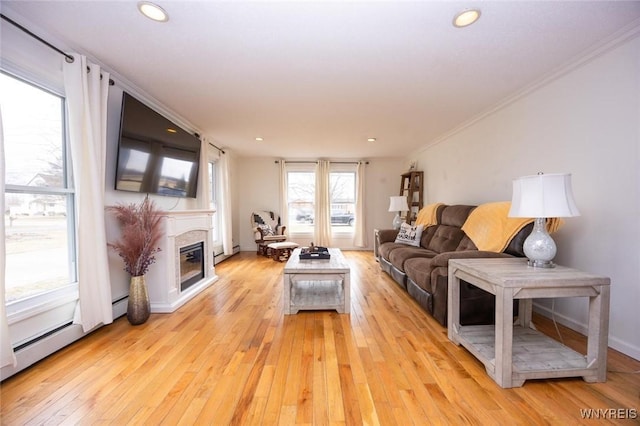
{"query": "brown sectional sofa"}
[(423, 271)]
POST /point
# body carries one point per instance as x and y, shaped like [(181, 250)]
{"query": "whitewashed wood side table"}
[(316, 284), (512, 353)]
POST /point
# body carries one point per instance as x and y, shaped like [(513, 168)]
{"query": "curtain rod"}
[(67, 57), (219, 149), (315, 162)]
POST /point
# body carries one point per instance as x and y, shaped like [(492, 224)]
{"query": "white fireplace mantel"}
[(181, 228)]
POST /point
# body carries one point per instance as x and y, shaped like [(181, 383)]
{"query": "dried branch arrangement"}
[(141, 231)]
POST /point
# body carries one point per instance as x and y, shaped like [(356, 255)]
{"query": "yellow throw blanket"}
[(490, 228), (427, 215), (553, 224)]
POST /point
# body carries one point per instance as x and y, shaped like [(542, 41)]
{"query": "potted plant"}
[(141, 230)]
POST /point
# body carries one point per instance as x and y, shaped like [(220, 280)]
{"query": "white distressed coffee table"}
[(317, 284)]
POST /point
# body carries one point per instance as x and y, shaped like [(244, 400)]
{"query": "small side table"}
[(512, 354), (376, 244)]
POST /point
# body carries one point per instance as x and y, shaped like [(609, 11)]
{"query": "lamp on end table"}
[(542, 196), (398, 204)]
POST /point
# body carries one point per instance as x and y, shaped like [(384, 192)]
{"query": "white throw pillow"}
[(410, 235)]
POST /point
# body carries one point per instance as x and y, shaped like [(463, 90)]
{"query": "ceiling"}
[(317, 78)]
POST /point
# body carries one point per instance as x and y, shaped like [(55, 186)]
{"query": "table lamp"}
[(542, 196), (398, 204)]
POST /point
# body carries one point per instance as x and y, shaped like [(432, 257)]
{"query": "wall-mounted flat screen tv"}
[(155, 156)]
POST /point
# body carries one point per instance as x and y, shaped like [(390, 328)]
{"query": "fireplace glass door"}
[(191, 265)]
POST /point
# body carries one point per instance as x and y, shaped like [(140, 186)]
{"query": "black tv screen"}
[(155, 156)]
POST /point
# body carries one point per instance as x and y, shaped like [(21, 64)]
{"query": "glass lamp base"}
[(539, 247), (541, 263), (397, 221)]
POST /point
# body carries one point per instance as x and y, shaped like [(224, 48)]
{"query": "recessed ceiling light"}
[(170, 130), (153, 11), (466, 17), (371, 139), (259, 139)]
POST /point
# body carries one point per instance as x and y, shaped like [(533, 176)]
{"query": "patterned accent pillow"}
[(410, 235), (266, 230)]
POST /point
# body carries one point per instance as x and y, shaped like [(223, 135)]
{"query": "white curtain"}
[(7, 357), (224, 204), (284, 204), (322, 232), (86, 95), (360, 238), (203, 194)]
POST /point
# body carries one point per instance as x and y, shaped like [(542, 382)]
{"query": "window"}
[(343, 201), (301, 185), (301, 195), (40, 235)]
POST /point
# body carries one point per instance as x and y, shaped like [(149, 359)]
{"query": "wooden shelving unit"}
[(411, 186)]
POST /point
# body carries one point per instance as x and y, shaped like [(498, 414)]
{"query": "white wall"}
[(586, 122), (259, 180)]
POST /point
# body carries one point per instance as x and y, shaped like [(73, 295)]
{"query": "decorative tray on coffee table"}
[(314, 252)]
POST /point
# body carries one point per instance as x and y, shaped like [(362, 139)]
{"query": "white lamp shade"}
[(543, 195), (398, 204)]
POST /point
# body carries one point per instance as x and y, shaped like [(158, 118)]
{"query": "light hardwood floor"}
[(230, 356)]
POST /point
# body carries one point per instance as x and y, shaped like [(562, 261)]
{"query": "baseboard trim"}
[(120, 307), (614, 343), (40, 349)]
